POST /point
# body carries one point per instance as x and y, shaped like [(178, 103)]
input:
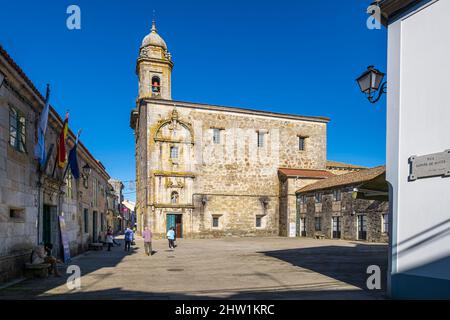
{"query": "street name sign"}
[(430, 165)]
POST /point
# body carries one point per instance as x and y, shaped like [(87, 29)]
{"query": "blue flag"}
[(39, 149), (73, 161)]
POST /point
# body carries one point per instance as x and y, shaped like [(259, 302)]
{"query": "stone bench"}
[(319, 236), (96, 246), (36, 270)]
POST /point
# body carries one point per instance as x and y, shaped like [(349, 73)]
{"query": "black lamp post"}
[(86, 173), (370, 82)]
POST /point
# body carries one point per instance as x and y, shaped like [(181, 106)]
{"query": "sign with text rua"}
[(430, 165), (64, 239)]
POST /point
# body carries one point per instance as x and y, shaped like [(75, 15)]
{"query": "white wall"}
[(418, 123)]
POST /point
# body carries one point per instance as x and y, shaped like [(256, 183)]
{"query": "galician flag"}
[(62, 143), (39, 148)]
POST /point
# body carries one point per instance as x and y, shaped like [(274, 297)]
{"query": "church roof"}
[(305, 173), (154, 39), (184, 104)]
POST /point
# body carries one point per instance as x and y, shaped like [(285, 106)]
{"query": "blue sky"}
[(288, 56)]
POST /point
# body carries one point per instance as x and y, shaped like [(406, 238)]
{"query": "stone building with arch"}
[(212, 171)]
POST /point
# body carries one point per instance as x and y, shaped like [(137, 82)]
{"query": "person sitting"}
[(41, 255)]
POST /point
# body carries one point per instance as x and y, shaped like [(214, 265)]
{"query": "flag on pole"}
[(73, 161), (39, 148), (62, 143)]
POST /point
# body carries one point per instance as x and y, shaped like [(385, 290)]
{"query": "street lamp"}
[(86, 173), (370, 82)]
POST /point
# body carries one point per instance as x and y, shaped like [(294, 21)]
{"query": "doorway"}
[(362, 227), (302, 227), (336, 222), (175, 221), (50, 230), (94, 226)]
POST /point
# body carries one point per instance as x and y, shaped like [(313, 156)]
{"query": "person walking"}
[(147, 235), (171, 238), (128, 239), (109, 239), (113, 238)]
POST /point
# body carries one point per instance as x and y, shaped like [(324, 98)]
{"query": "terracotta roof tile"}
[(337, 164), (345, 179), (305, 173)]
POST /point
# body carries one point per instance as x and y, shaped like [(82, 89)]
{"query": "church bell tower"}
[(154, 67)]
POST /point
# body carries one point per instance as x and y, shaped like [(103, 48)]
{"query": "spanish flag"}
[(62, 157)]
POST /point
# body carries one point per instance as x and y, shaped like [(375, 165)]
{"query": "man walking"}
[(171, 238), (147, 235), (128, 239)]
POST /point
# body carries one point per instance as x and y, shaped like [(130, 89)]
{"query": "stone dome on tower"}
[(154, 39)]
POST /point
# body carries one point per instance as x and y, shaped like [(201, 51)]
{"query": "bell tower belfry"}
[(154, 67)]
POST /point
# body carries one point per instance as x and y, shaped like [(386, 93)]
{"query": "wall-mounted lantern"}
[(86, 173), (370, 82), (264, 202), (204, 200)]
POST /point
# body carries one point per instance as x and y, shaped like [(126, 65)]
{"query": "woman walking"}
[(171, 238), (147, 235), (109, 239)]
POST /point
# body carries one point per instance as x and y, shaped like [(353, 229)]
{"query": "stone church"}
[(212, 171)]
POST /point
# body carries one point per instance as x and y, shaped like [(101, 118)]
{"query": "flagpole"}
[(40, 169)]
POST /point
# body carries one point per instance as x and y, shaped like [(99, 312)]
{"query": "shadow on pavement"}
[(343, 263), (120, 294), (89, 261)]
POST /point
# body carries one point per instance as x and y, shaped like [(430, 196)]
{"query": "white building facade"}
[(418, 124)]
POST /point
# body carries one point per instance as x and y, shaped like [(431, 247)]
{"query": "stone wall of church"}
[(237, 179)]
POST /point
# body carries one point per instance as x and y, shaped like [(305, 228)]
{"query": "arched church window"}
[(174, 197), (156, 85)]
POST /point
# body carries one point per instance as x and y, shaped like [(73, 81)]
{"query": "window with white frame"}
[(216, 135), (337, 196), (94, 192), (318, 197), (69, 185), (173, 152), (17, 130), (318, 224)]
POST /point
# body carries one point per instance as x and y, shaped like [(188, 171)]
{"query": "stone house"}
[(117, 192), (33, 201), (348, 206)]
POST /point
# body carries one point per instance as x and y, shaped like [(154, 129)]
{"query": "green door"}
[(170, 221)]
